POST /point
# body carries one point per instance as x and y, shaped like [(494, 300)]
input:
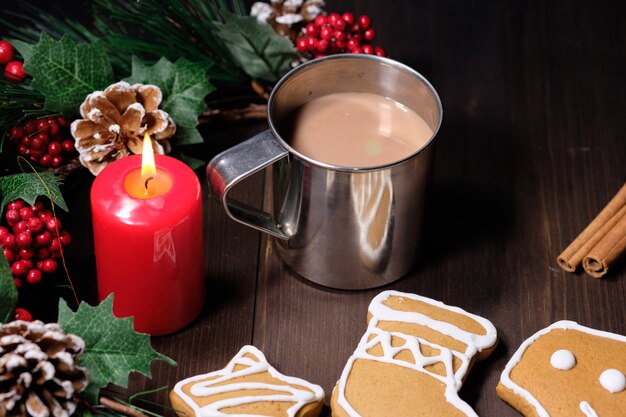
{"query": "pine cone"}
[(39, 376), (114, 123), (287, 17)]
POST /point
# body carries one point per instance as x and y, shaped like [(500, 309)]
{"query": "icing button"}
[(563, 359), (613, 380)]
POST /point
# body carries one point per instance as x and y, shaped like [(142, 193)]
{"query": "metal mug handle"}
[(233, 165)]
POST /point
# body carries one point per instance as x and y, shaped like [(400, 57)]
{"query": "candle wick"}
[(147, 181)]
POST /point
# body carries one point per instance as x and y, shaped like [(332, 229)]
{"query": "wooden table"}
[(532, 147)]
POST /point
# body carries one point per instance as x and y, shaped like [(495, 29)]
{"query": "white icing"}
[(505, 378), (563, 359), (475, 343), (389, 352), (202, 387), (587, 409), (613, 381)]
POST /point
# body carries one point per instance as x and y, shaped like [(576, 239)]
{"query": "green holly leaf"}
[(65, 71), (184, 85), (259, 51), (8, 292), (30, 186), (112, 348)]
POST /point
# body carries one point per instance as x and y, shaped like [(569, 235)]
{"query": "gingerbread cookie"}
[(468, 336), (567, 370), (248, 386), (412, 360)]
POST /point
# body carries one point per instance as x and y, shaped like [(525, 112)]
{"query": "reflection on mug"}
[(372, 201)]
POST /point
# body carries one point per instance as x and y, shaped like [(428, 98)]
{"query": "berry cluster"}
[(36, 241), (44, 141), (13, 70), (335, 34)]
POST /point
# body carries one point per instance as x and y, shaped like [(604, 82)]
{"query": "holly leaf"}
[(184, 85), (259, 51), (112, 348), (8, 292), (30, 186), (65, 72)]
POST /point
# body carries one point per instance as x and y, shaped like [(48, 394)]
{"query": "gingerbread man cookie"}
[(247, 387), (567, 370)]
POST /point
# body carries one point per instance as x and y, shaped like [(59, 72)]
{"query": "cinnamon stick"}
[(606, 220), (121, 408), (607, 251)]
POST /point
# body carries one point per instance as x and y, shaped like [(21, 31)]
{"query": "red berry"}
[(27, 253), (379, 51), (54, 148), (17, 282), (22, 314), (29, 127), (36, 154), (16, 205), (26, 213), (333, 18), (53, 128), (24, 240), (357, 50), (35, 225), (37, 207), (20, 227), (352, 44), (348, 18), (19, 268), (43, 253), (341, 36), (44, 238), (322, 46), (326, 33), (340, 24), (49, 265), (365, 22), (29, 264), (22, 149), (312, 44), (368, 49), (42, 125), (68, 146), (6, 52), (356, 28), (10, 255), (302, 44), (65, 238), (341, 46), (57, 161), (13, 216), (3, 232), (61, 121), (44, 215), (46, 160), (55, 245), (25, 141), (53, 225), (16, 133), (369, 34), (321, 20), (14, 71), (9, 242), (312, 30), (34, 276)]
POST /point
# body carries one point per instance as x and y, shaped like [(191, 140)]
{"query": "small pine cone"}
[(287, 17), (39, 375), (115, 121)]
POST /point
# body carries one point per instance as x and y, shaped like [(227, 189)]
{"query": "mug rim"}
[(389, 61)]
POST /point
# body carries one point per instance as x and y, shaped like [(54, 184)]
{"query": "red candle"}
[(149, 243)]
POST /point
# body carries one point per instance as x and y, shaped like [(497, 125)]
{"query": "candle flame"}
[(148, 167)]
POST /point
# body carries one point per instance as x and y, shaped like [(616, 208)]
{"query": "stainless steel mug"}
[(341, 227)]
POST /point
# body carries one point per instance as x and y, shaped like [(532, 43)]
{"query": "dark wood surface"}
[(532, 146)]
